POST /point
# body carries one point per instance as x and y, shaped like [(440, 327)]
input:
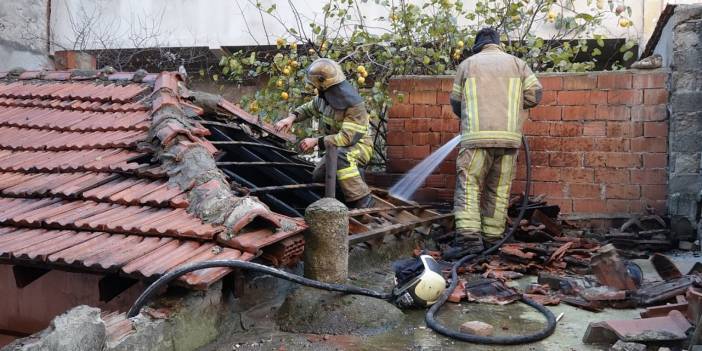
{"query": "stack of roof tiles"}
[(88, 181)]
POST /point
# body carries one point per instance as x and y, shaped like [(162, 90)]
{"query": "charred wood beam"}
[(26, 275), (270, 189), (254, 144), (394, 229), (273, 200), (111, 286), (284, 178), (365, 211), (264, 164)]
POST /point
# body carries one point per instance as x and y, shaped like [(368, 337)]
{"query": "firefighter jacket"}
[(342, 128), (494, 89)]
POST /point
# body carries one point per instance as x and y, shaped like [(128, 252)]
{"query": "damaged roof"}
[(110, 172)]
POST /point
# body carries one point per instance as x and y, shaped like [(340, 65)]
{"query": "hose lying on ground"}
[(430, 316), (497, 340)]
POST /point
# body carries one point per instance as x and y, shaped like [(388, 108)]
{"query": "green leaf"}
[(628, 55), (585, 17)]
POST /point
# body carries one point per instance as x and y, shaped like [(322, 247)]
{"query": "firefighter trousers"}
[(483, 181), (348, 174)]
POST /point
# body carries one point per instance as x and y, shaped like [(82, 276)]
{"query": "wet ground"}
[(412, 334)]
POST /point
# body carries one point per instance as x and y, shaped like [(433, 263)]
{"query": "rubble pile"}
[(591, 272)]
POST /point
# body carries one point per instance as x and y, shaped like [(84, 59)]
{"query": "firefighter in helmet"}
[(344, 122), (491, 92)]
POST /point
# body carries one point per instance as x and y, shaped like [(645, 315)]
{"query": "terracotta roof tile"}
[(78, 189)]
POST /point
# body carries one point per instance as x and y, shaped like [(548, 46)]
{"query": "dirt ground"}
[(412, 333)]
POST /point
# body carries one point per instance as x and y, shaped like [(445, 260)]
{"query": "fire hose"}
[(431, 321)]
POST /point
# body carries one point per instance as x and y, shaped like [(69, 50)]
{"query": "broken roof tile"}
[(76, 189)]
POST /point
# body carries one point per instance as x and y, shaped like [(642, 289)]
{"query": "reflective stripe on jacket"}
[(340, 127), (494, 89)]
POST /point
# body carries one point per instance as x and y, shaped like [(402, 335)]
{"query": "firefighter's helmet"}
[(324, 73)]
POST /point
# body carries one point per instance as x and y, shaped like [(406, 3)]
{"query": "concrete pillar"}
[(326, 241)]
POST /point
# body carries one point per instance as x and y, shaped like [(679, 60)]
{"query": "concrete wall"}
[(598, 141), (685, 177), (23, 34)]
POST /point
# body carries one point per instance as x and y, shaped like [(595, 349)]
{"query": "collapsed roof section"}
[(108, 172)]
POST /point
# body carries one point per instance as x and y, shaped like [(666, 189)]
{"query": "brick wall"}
[(598, 140)]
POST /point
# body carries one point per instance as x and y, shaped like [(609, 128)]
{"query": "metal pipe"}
[(330, 174)]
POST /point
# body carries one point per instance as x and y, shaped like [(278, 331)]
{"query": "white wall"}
[(214, 23), (23, 35)]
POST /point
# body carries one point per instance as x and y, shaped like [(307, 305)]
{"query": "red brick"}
[(420, 139), (613, 113), (595, 159), (565, 159), (401, 111), (397, 138), (420, 111), (544, 144), (654, 192), (548, 174), (433, 111), (649, 113), (396, 152), (550, 189), (624, 97), (649, 176), (552, 113), (401, 165), (611, 176), (396, 125), (548, 98), (518, 187), (436, 181), (611, 144), (589, 206), (401, 84), (576, 97), (594, 128), (418, 125), (423, 97), (624, 129), (566, 129), (655, 160), (566, 205), (622, 191), (654, 80), (448, 167), (649, 144), (442, 98), (446, 84), (538, 158), (655, 129), (435, 138), (427, 84), (579, 82), (623, 160), (614, 81), (578, 175), (447, 125), (536, 128), (617, 206), (584, 191), (551, 82), (417, 152), (399, 97), (579, 112), (578, 144), (598, 97), (655, 96)]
